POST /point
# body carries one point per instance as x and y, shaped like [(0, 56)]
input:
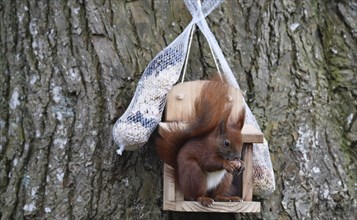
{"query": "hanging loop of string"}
[(199, 7), (197, 11), (188, 53), (202, 17)]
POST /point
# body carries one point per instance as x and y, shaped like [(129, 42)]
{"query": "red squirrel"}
[(205, 153)]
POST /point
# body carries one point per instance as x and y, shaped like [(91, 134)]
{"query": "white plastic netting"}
[(145, 109), (144, 113)]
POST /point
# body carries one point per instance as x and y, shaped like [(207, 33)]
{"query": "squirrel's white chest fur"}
[(214, 178)]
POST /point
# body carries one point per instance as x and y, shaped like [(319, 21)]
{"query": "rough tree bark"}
[(68, 69)]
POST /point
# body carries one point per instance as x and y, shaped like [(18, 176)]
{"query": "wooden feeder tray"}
[(180, 102)]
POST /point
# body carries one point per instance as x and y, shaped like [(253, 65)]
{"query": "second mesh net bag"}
[(263, 173)]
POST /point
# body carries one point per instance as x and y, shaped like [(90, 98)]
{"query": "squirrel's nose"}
[(236, 156)]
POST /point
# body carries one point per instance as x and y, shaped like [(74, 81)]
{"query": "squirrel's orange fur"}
[(209, 145)]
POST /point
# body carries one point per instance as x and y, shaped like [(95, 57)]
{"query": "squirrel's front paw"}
[(232, 166), (240, 169)]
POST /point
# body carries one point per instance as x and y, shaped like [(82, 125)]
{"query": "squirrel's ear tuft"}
[(241, 119), (221, 127)]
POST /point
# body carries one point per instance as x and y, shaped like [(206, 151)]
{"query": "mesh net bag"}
[(144, 113)]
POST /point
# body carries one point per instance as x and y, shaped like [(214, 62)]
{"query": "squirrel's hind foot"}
[(205, 201)]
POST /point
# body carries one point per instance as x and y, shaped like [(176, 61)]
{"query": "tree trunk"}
[(68, 70)]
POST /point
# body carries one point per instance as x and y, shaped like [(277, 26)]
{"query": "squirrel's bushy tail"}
[(211, 107)]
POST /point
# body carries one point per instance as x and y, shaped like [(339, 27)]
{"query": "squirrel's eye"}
[(227, 143)]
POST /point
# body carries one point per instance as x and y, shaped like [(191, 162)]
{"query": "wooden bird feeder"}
[(180, 102)]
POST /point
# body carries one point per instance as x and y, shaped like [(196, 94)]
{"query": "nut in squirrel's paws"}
[(240, 169)]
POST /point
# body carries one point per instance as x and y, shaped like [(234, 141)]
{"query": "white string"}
[(201, 16), (193, 6), (209, 43), (215, 60), (188, 53)]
